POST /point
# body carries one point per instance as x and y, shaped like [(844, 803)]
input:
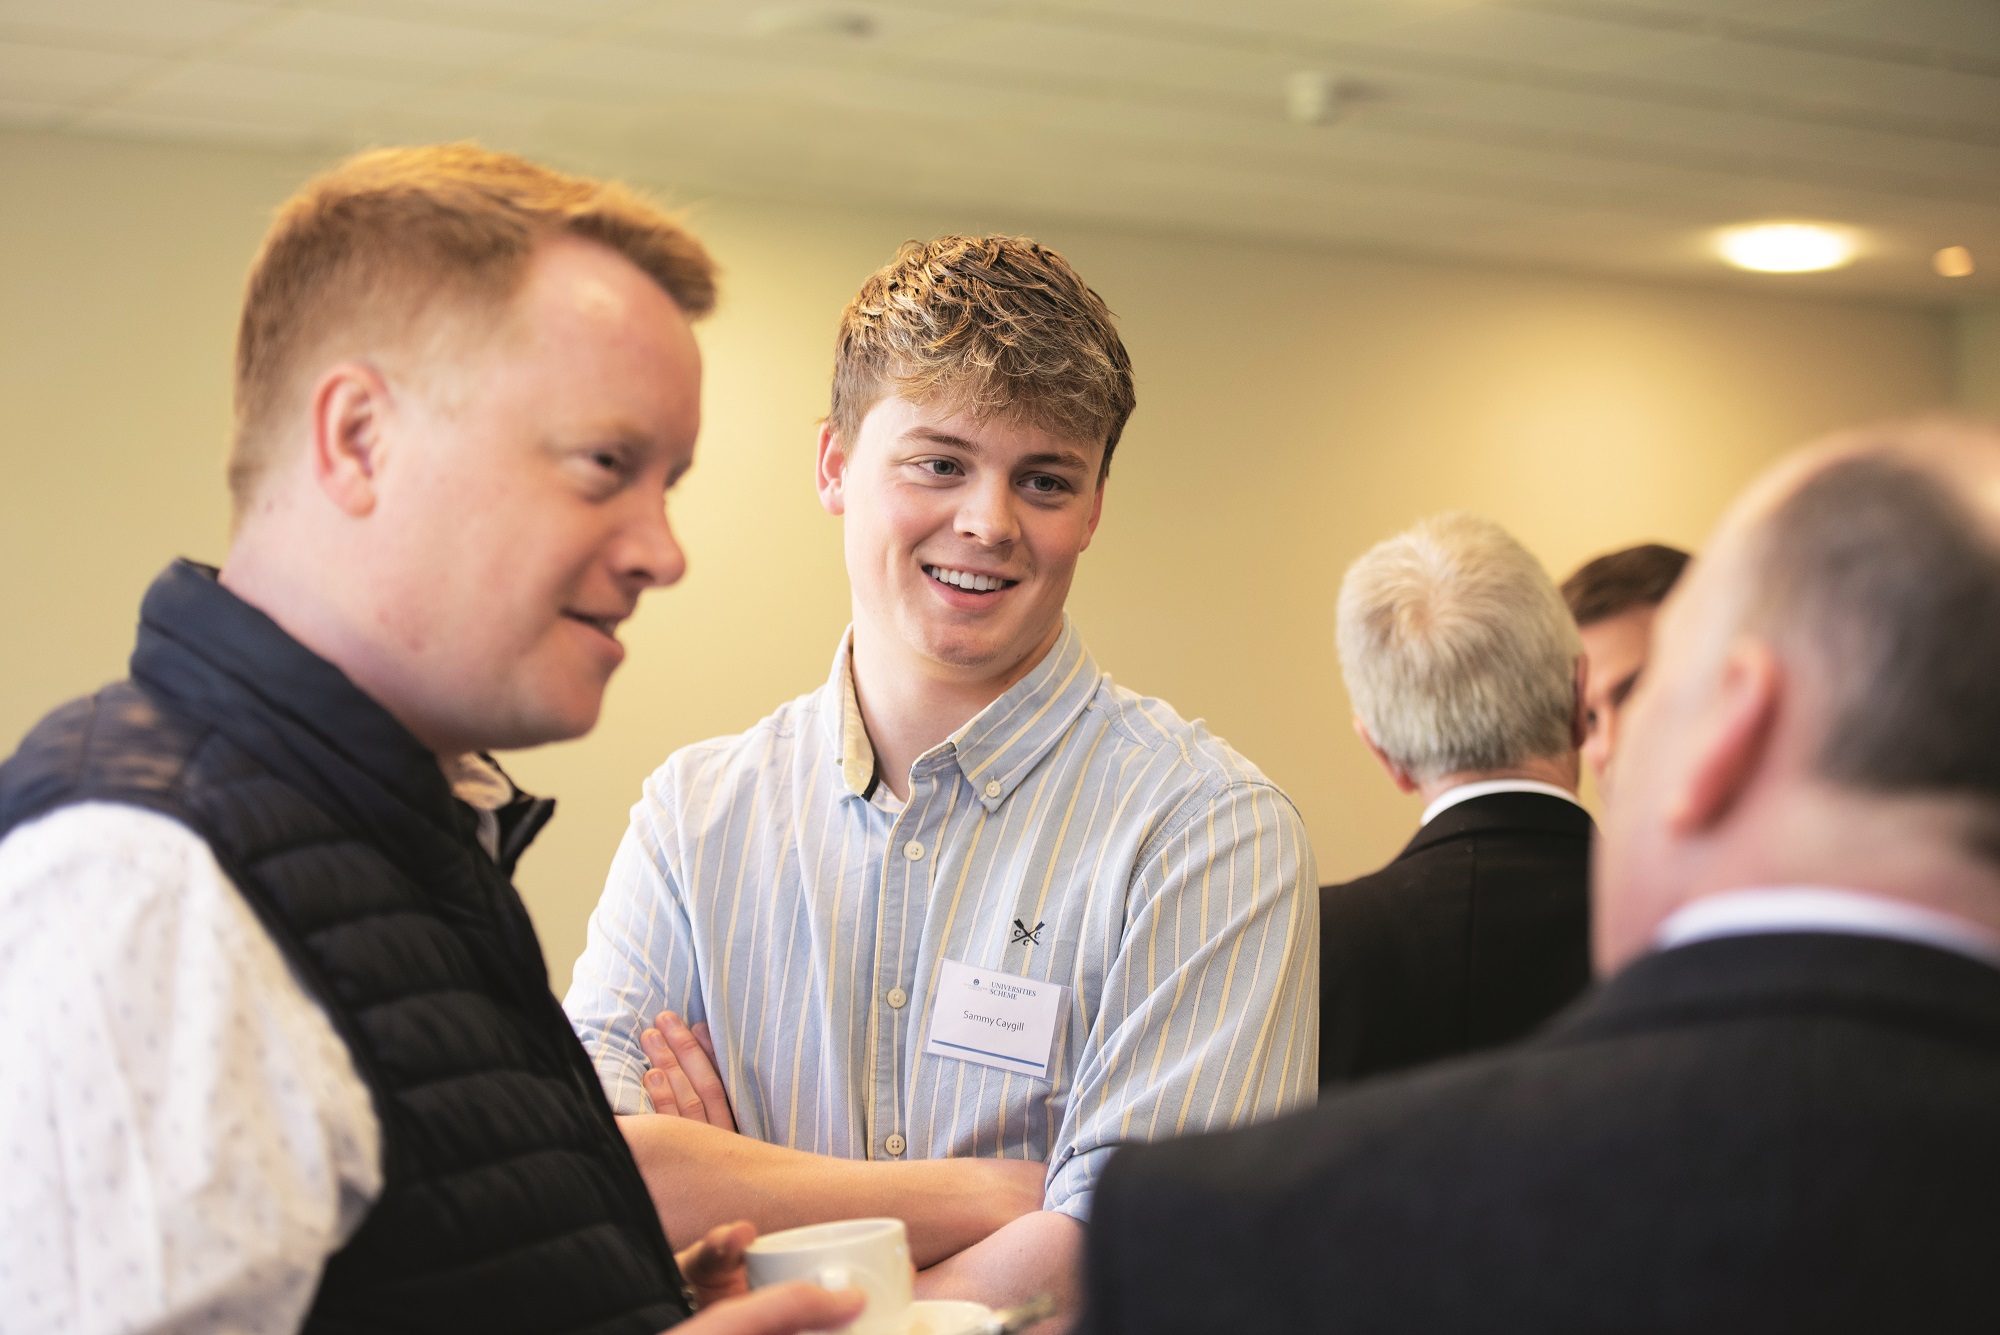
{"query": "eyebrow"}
[(627, 437), (614, 435), (1058, 458)]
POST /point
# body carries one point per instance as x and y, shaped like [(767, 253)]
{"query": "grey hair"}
[(1459, 653)]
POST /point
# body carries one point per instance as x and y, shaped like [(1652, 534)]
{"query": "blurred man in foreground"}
[(1464, 669), (277, 1050), (1615, 599), (1777, 1113)]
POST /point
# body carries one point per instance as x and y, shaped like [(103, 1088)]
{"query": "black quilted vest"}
[(509, 1204)]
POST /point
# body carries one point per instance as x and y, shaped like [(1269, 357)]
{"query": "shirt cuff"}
[(1073, 1186), (624, 1085)]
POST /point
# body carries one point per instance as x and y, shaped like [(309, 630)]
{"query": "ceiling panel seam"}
[(1733, 28), (1480, 69)]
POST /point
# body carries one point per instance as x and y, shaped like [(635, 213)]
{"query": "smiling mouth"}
[(607, 626), (969, 581)]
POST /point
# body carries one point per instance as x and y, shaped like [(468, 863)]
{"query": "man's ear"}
[(1397, 774), (350, 407), (1731, 743), (1579, 714), (830, 472)]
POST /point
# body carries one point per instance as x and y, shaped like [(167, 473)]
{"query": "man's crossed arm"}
[(977, 1229)]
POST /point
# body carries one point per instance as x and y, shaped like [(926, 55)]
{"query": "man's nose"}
[(987, 516), (650, 555)]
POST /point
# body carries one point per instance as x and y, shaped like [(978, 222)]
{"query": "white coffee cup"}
[(872, 1255), (949, 1316)]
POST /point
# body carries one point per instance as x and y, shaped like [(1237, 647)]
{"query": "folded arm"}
[(702, 1176), (1037, 1254)]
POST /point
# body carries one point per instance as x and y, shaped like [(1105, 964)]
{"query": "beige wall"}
[(1978, 359), (1294, 408)]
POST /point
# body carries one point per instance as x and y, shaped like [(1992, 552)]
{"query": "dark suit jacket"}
[(1758, 1134), (1476, 933)]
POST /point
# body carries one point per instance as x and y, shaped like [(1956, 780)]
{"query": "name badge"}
[(995, 1019)]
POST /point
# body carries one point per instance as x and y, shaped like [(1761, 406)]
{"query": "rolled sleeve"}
[(1210, 1016), (1073, 1182), (637, 959)]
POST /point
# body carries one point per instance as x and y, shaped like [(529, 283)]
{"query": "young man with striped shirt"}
[(938, 936)]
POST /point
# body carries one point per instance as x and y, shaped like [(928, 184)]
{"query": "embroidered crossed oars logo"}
[(1024, 934)]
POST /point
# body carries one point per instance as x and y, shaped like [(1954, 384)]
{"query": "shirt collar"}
[(1811, 908), (476, 781), (1465, 792), (852, 750), (1001, 743), (507, 818)]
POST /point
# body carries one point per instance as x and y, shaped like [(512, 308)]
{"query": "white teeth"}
[(965, 579)]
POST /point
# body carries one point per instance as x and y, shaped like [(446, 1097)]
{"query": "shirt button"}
[(993, 787), (914, 851), (895, 1144), (897, 998)]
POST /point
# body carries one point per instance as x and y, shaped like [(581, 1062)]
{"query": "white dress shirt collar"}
[(1813, 908), (1465, 792), (483, 786)]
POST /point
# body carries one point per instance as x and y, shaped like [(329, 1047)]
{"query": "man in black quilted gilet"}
[(279, 1050)]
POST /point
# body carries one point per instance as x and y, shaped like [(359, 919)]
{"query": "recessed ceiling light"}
[(1953, 262), (1787, 247)]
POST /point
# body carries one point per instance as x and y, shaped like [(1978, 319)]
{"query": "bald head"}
[(1824, 697), (1877, 573)]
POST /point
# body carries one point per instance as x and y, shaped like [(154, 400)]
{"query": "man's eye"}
[(1043, 484), (941, 467)]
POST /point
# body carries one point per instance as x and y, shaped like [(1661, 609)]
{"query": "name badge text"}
[(995, 1019)]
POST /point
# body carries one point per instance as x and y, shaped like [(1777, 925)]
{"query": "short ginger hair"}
[(1000, 326), (386, 249)]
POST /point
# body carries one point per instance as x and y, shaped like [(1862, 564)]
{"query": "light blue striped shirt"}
[(1072, 832)]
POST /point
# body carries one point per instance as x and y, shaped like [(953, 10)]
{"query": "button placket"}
[(905, 900), (884, 1105)]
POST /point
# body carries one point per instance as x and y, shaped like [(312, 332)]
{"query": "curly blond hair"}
[(380, 250), (999, 326)]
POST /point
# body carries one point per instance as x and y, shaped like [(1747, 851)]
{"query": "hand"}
[(683, 1081), (714, 1266), (782, 1309)]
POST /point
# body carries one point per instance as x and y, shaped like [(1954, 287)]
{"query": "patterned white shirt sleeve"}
[(183, 1136)]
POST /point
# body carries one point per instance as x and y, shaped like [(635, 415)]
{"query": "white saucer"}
[(938, 1316)]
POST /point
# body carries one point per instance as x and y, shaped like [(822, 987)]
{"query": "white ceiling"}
[(1600, 135)]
